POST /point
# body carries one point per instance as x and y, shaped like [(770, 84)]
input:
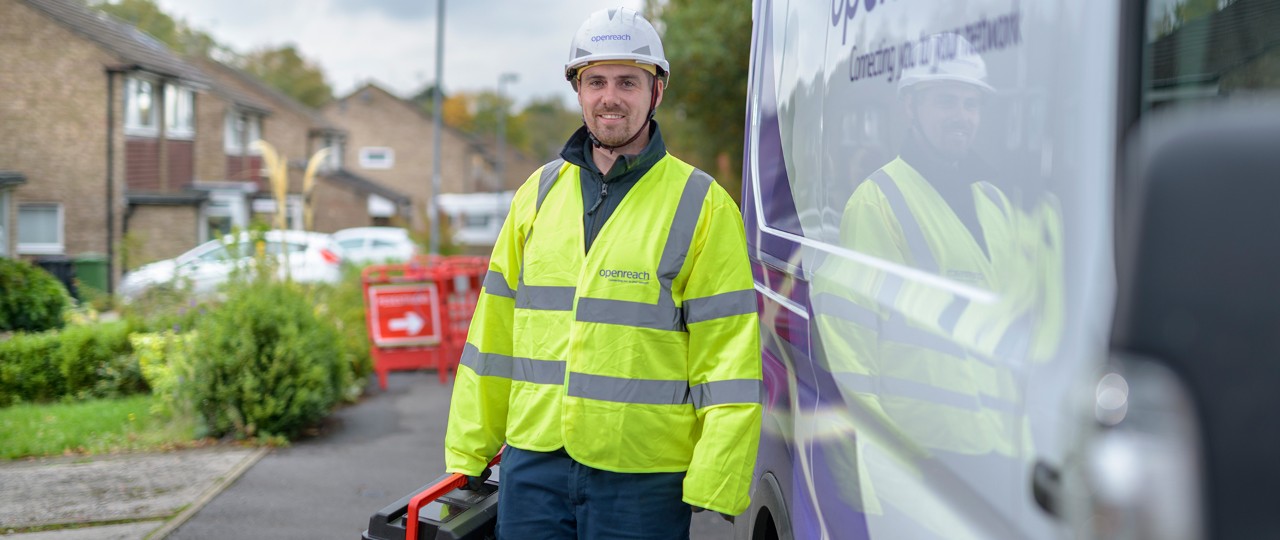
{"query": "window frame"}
[(337, 146), (43, 248), (387, 162), (133, 124), (241, 145), (179, 104)]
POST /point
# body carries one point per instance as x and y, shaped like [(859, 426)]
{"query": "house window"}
[(240, 132), (179, 112), (40, 229), (141, 115), (224, 212), (337, 146), (377, 157)]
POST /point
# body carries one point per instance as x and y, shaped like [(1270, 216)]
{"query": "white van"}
[(1018, 266)]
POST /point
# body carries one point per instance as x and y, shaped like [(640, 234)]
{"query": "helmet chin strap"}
[(653, 100)]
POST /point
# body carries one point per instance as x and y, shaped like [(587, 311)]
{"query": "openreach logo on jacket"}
[(625, 276)]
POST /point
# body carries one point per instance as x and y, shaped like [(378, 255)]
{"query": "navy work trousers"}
[(548, 495)]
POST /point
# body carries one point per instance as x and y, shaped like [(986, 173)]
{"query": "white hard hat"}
[(616, 34), (964, 66)]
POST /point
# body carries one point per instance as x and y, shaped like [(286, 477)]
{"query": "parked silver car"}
[(307, 256), (371, 245)]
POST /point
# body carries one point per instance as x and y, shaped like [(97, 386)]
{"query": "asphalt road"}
[(364, 457)]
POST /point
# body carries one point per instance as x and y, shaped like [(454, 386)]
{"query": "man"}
[(615, 345)]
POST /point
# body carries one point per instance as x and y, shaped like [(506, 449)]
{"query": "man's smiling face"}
[(615, 101)]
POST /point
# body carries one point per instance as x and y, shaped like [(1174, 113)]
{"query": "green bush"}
[(164, 358), (265, 364), (31, 299), (164, 308), (92, 360), (343, 303), (28, 371)]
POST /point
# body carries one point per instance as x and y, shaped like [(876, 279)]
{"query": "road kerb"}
[(208, 495)]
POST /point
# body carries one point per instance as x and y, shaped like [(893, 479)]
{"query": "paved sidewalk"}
[(124, 496), (363, 457)]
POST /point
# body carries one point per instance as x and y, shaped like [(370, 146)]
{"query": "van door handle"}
[(1046, 486)]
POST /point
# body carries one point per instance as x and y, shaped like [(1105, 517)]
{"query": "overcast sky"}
[(393, 42)]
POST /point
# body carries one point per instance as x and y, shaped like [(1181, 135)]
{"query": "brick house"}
[(230, 167), (390, 141), (96, 129)]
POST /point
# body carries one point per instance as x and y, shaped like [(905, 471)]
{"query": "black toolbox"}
[(455, 514)]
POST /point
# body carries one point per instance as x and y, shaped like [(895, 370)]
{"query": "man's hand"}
[(474, 482), (723, 516)]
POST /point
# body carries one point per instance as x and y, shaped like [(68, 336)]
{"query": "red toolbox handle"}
[(454, 481)]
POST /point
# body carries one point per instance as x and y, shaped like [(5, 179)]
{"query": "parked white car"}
[(372, 245), (311, 257)]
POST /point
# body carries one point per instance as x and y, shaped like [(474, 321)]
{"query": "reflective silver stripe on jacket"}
[(550, 172), (546, 298), (727, 392), (664, 392), (621, 390), (538, 371), (496, 284), (664, 315), (627, 313), (721, 305), (485, 364), (516, 369)]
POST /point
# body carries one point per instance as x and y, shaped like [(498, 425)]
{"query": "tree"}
[(457, 111), (149, 18), (287, 71), (708, 45), (545, 124)]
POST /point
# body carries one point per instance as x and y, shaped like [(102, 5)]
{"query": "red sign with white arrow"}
[(404, 314)]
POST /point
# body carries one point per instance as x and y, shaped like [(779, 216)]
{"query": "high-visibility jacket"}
[(641, 355)]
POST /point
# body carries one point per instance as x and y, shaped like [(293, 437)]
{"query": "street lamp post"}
[(437, 115), (502, 142)]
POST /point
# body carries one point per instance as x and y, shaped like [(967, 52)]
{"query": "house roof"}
[(1221, 41), (134, 48), (476, 144), (11, 178), (262, 89), (366, 185), (240, 99)]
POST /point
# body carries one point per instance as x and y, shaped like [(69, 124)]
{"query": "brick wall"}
[(142, 164), (338, 207), (53, 118), (181, 156), (161, 232), (246, 169), (210, 153), (374, 118)]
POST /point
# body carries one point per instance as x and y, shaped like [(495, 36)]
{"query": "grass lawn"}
[(89, 427)]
